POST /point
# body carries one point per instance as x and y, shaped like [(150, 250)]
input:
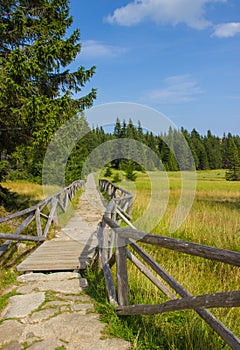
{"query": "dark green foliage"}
[(36, 99), (4, 166), (200, 151), (233, 160), (36, 86), (177, 149), (116, 178), (129, 168), (213, 148), (108, 172)]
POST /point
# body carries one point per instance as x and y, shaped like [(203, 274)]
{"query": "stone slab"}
[(47, 345), (73, 286), (12, 346), (56, 276), (20, 306), (41, 315), (10, 331)]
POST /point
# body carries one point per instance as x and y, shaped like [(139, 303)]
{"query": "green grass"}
[(213, 220), (21, 195), (7, 278), (64, 217)]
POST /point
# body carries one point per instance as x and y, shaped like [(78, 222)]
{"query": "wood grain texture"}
[(58, 256)]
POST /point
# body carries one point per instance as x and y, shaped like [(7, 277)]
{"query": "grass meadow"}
[(213, 220)]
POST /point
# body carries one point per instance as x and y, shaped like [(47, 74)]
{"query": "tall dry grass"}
[(213, 220)]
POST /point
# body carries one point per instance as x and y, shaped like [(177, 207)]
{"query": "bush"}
[(116, 178), (130, 173), (108, 172), (4, 166)]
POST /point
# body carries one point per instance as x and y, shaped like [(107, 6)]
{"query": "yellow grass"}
[(213, 220)]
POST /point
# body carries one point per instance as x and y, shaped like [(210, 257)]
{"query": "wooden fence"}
[(44, 214), (113, 244)]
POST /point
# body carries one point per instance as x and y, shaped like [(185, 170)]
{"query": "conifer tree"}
[(117, 128), (200, 151), (36, 87), (233, 161), (213, 149)]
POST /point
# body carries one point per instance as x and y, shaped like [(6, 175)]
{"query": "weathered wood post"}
[(122, 275), (38, 222), (103, 261), (52, 214), (66, 199)]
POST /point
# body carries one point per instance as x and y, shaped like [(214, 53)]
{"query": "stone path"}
[(51, 311)]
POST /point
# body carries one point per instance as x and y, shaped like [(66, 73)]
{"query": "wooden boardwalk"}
[(75, 245)]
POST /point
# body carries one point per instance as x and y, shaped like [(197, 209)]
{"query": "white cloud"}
[(190, 12), (234, 97), (93, 49), (179, 88), (227, 30)]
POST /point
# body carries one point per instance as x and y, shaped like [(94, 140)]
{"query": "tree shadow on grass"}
[(228, 203), (13, 202)]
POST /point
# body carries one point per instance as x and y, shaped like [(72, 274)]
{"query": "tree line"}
[(208, 152), (130, 148)]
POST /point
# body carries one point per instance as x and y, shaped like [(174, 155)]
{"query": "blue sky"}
[(180, 57)]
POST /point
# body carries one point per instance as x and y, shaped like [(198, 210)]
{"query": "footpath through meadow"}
[(52, 311)]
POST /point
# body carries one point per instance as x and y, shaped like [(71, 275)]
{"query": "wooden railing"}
[(113, 244), (122, 198), (44, 214)]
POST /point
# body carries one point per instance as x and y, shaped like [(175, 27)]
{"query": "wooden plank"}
[(4, 247), (24, 224), (110, 285), (229, 299), (123, 214), (18, 214), (51, 216), (204, 251), (125, 217), (58, 255), (150, 275), (227, 256), (216, 325), (14, 237)]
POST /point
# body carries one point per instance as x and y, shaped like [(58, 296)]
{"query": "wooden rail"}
[(44, 214), (113, 247)]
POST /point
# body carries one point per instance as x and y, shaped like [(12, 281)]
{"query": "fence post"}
[(103, 260), (66, 199), (54, 204), (38, 222), (122, 275), (51, 216)]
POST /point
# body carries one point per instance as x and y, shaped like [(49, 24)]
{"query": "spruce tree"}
[(36, 86), (213, 148), (117, 129), (233, 161), (200, 151)]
